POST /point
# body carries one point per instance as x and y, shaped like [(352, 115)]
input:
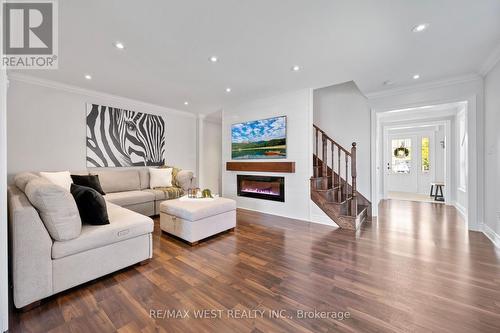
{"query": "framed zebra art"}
[(122, 138)]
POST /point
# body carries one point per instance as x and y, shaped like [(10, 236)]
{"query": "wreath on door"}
[(401, 152)]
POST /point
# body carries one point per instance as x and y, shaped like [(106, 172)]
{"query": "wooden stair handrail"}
[(331, 140), (338, 182)]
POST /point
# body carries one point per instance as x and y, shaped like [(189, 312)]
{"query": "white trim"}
[(423, 86), (93, 94), (328, 223), (460, 209), (492, 235), (321, 219), (490, 62)]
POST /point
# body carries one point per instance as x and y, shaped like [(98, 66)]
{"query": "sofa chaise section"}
[(42, 267)]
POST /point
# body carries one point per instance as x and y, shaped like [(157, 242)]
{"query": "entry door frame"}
[(416, 137)]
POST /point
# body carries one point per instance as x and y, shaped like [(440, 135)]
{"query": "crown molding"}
[(490, 62), (93, 93), (423, 86)]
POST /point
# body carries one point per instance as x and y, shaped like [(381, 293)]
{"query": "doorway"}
[(451, 156), (414, 161)]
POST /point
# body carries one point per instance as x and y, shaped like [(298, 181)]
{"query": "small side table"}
[(438, 194)]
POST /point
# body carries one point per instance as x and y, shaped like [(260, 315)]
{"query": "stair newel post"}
[(354, 201), (324, 158)]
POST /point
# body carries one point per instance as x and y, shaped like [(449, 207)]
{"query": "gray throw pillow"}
[(23, 178), (56, 207)]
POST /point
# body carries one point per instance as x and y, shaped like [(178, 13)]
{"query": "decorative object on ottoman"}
[(194, 193), (206, 193), (195, 219)]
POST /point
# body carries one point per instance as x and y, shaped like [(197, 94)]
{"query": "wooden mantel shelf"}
[(282, 167)]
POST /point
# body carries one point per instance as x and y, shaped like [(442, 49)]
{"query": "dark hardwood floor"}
[(417, 269)]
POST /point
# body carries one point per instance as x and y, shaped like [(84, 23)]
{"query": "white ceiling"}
[(168, 44)]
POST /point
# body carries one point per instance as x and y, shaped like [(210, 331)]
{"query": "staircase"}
[(333, 184)]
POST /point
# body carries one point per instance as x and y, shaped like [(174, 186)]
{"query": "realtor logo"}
[(29, 34)]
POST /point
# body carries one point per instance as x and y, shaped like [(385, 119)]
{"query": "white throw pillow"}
[(56, 207), (62, 179), (160, 177)]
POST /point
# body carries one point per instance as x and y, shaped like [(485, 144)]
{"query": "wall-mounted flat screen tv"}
[(259, 139)]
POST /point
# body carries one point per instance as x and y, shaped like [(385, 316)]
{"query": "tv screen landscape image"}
[(259, 139)]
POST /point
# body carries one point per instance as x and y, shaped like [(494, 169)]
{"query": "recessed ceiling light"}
[(228, 90), (213, 59), (186, 103), (420, 27), (416, 77), (119, 45), (88, 76), (296, 68)]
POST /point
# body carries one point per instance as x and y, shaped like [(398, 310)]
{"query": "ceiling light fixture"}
[(119, 45), (213, 59), (296, 68), (228, 90), (420, 27), (186, 103), (416, 77), (88, 76)]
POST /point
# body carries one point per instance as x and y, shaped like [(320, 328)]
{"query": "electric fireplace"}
[(262, 187)]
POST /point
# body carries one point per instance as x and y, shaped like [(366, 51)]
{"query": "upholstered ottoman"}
[(195, 219)]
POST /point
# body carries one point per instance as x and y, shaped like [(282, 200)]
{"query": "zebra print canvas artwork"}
[(122, 138)]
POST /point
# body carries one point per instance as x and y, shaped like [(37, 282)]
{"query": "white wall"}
[(468, 89), (4, 276), (3, 203), (297, 106), (342, 111), (492, 158), (47, 126), (211, 160)]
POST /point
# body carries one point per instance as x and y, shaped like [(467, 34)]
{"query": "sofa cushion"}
[(91, 205), (144, 178), (22, 179), (159, 195), (56, 208), (119, 181), (130, 197), (62, 178), (123, 224), (184, 179), (193, 210)]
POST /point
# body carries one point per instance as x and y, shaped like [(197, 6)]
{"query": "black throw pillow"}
[(91, 181), (91, 205)]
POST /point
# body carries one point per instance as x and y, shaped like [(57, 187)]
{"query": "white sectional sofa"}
[(42, 266), (130, 189)]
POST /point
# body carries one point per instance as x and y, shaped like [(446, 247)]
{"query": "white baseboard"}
[(316, 218), (492, 235), (461, 209)]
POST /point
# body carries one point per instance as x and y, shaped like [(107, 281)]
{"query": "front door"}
[(410, 162), (401, 166)]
